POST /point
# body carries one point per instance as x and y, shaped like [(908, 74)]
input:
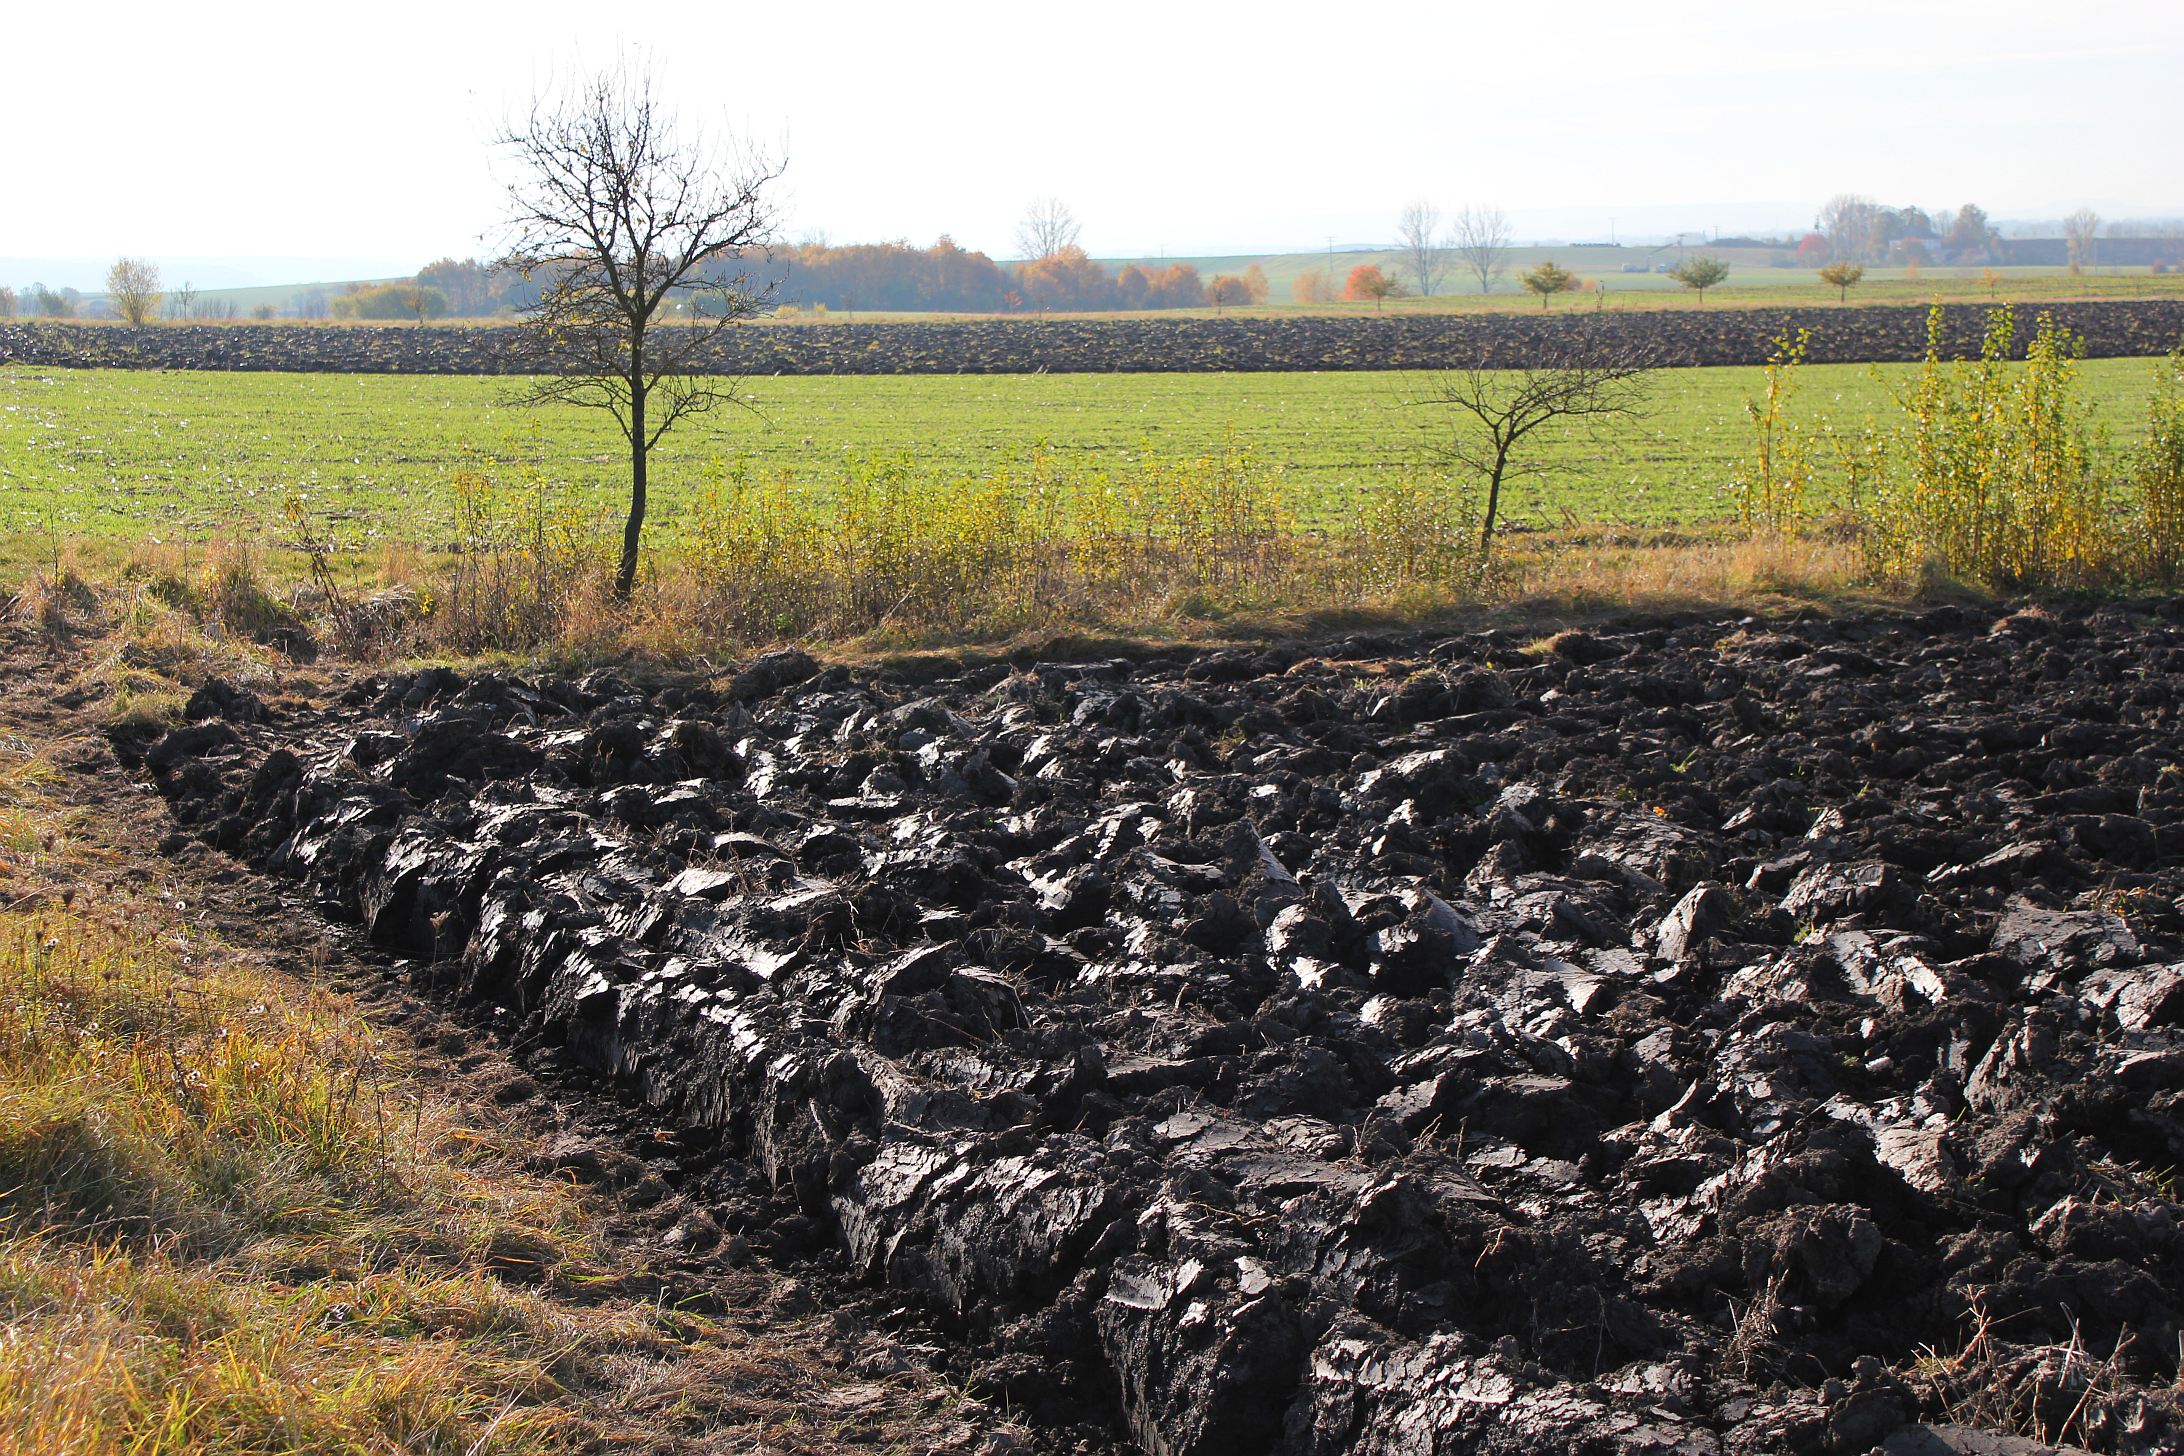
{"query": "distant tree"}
[(263, 312), (7, 302), (1549, 279), (2079, 231), (1425, 251), (1699, 273), (1971, 238), (1847, 220), (1493, 411), (1992, 279), (1047, 227), (465, 283), (310, 303), (1178, 286), (1255, 283), (390, 301), (132, 287), (1913, 253), (1481, 237), (53, 305), (1067, 280), (621, 210), (1366, 281), (893, 276), (182, 303), (1311, 286), (1813, 248), (1842, 275), (420, 302), (1228, 291)]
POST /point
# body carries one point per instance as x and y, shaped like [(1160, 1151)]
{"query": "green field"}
[(125, 455)]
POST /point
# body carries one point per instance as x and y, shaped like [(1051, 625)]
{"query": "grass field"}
[(127, 455)]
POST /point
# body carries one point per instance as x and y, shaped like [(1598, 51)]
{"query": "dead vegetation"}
[(239, 1216)]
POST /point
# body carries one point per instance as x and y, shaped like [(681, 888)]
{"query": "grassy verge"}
[(235, 1217), (123, 457)]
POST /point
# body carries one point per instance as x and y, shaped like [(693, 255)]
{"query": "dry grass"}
[(2058, 1394), (235, 1219)]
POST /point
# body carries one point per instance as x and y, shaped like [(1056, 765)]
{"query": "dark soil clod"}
[(1707, 1038)]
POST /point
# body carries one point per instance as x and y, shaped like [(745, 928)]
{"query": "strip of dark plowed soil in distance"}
[(1874, 333), (1715, 1036)]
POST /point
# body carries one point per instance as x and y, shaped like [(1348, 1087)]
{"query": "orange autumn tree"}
[(1066, 280), (1228, 290), (1366, 281)]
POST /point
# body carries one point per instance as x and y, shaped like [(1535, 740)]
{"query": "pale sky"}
[(295, 141)]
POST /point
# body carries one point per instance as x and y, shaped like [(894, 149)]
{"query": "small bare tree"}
[(132, 287), (1419, 232), (2079, 231), (625, 216), (1492, 412), (1482, 242), (1048, 226), (182, 303)]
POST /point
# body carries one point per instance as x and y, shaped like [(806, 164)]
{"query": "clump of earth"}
[(1721, 1036)]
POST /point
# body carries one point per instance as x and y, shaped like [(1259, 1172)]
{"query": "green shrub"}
[(1771, 485), (1994, 482), (2157, 474)]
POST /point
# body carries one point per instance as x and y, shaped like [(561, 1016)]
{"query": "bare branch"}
[(1419, 233), (647, 239), (1048, 226), (1482, 241), (1494, 410)]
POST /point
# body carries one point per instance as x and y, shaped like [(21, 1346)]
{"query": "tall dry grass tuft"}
[(1740, 573), (525, 556)]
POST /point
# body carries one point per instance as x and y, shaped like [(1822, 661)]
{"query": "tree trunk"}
[(1493, 500), (625, 580)]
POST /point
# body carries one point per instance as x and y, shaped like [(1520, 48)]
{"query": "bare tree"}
[(626, 214), (1491, 412), (1048, 226), (1419, 232), (2079, 232), (7, 302), (182, 303), (132, 287), (1847, 220), (1482, 242)]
